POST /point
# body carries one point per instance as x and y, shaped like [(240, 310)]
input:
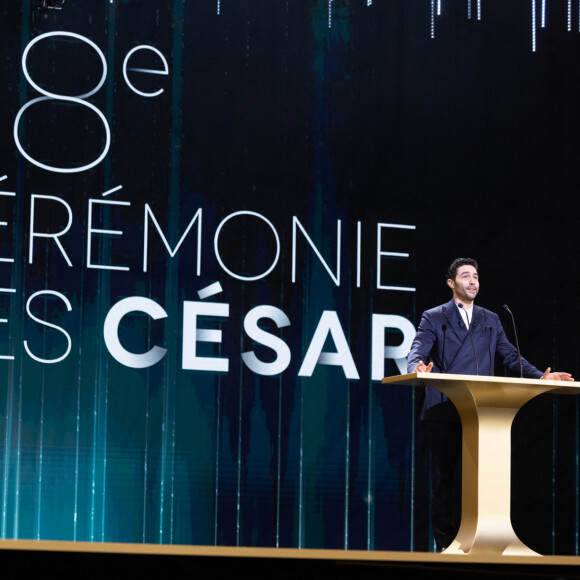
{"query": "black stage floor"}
[(152, 561)]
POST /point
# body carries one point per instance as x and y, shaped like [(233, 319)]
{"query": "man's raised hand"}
[(423, 368)]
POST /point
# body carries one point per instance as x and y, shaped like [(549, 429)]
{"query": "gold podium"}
[(487, 407)]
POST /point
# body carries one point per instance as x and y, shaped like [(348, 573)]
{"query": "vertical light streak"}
[(414, 402), (347, 453), (240, 438), (76, 493), (533, 25), (479, 9), (145, 470), (569, 16), (543, 14), (432, 18), (217, 459), (5, 477), (438, 7), (38, 506), (469, 9), (18, 457), (167, 470), (347, 467), (14, 391), (279, 458), (218, 7), (104, 422), (8, 444), (370, 466), (78, 416), (412, 492), (172, 481), (370, 538), (94, 459), (358, 252), (301, 471), (99, 446), (329, 13), (167, 457), (279, 443), (163, 460), (101, 384)]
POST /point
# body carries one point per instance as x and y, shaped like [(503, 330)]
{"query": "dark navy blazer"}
[(443, 338)]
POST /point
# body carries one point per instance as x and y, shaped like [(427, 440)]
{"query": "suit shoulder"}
[(437, 310), (488, 313), (433, 316)]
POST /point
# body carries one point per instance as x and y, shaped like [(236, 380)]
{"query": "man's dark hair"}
[(457, 263)]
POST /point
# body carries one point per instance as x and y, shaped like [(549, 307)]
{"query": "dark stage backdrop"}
[(220, 223)]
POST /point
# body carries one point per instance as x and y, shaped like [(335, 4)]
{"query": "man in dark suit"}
[(445, 344)]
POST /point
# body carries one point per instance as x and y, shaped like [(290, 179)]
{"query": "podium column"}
[(487, 407)]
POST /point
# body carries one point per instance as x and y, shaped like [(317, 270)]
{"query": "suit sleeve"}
[(422, 344), (508, 354)]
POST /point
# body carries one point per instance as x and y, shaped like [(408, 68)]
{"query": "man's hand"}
[(550, 376), (423, 368)]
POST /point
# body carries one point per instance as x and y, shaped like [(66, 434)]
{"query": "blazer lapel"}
[(459, 329), (478, 320), (454, 320)]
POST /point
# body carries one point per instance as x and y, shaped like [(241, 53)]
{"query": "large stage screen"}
[(220, 221)]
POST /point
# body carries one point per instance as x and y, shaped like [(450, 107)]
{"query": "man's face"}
[(466, 284)]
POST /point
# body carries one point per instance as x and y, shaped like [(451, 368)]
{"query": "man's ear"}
[(450, 283)]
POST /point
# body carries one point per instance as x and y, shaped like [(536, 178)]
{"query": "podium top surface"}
[(437, 379)]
